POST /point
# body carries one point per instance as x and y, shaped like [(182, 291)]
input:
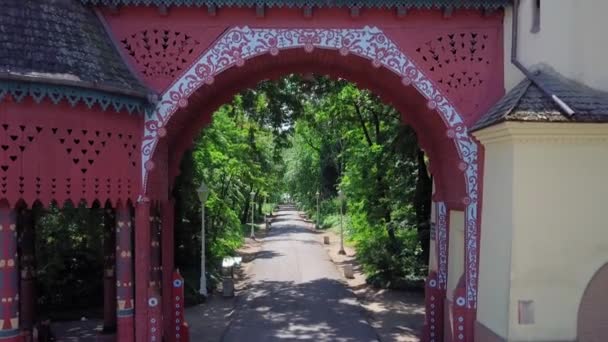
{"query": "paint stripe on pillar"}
[(441, 230), (142, 270), (9, 274), (124, 274)]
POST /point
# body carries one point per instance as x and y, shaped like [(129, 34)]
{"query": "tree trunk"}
[(422, 205), (245, 212)]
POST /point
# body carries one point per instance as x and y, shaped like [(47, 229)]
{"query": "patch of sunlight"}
[(348, 301), (274, 317), (317, 332), (308, 328), (376, 307)]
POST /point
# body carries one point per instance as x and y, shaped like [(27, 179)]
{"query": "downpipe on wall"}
[(531, 76)]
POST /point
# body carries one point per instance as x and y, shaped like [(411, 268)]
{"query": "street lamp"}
[(203, 193), (341, 198), (252, 193), (318, 217)]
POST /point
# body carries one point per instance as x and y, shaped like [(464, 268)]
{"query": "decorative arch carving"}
[(67, 154), (160, 52), (459, 61), (238, 44)]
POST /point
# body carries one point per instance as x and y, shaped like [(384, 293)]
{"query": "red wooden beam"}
[(109, 277), (9, 275), (168, 263), (124, 274), (142, 268)]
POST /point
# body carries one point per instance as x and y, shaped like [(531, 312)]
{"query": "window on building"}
[(535, 16)]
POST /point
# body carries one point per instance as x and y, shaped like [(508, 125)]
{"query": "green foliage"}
[(348, 139), (268, 208), (69, 255), (234, 156), (384, 267)]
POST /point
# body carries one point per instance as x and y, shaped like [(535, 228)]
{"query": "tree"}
[(347, 138)]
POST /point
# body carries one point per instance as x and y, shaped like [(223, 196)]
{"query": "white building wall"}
[(544, 232), (495, 245), (573, 39), (555, 191), (456, 250), (560, 235)]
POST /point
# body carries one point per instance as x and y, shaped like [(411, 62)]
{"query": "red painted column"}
[(109, 277), (434, 311), (468, 291), (463, 317), (27, 294), (142, 268), (178, 329), (155, 321), (167, 245), (155, 250), (124, 274), (436, 284), (9, 275)]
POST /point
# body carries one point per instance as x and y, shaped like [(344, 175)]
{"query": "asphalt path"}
[(296, 292)]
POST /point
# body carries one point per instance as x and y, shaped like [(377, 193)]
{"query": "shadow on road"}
[(319, 310), (278, 220), (283, 228), (267, 255)]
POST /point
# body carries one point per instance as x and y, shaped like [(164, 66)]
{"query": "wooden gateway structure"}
[(99, 99)]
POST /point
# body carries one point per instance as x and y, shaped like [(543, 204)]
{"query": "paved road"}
[(296, 293)]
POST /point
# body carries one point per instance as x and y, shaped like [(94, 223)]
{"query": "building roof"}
[(526, 102), (61, 42), (418, 4)]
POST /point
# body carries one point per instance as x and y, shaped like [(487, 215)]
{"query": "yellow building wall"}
[(455, 250), (572, 39), (495, 245), (559, 224)]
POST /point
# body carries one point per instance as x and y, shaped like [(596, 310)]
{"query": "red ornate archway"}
[(77, 138), (239, 46)]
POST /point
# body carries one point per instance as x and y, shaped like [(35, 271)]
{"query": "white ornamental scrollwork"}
[(442, 244)]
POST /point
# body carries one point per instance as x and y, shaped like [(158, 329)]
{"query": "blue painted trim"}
[(125, 313), (73, 95), (9, 333)]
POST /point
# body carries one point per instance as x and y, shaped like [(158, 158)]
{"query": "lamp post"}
[(203, 193), (252, 213), (341, 198), (318, 217)]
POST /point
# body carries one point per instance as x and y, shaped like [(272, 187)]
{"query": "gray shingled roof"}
[(526, 102), (61, 42)]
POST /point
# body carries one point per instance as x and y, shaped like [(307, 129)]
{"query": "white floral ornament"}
[(152, 302), (238, 44), (460, 301)]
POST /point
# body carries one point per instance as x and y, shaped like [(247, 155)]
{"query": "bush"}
[(386, 263), (69, 256)]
